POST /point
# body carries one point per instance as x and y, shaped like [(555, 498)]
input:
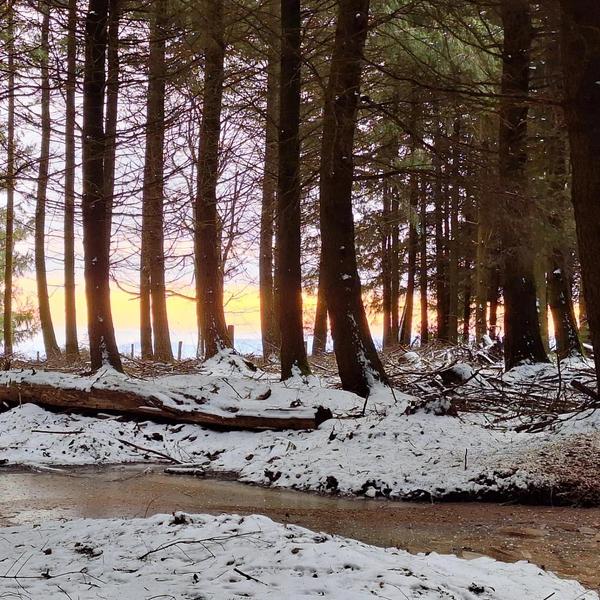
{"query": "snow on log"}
[(202, 401)]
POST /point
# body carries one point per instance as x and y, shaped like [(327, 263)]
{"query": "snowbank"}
[(385, 453), (228, 556)]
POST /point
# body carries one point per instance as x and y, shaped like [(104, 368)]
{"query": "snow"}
[(225, 386), (387, 453), (228, 556), (422, 455)]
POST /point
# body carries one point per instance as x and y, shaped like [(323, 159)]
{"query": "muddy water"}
[(564, 540)]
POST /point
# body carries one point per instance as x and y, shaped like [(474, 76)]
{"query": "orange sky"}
[(242, 310)]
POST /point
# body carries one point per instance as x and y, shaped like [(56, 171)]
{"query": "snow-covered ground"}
[(206, 557), (385, 453)]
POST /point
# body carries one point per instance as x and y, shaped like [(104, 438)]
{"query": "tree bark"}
[(482, 271), (153, 197), (413, 241), (358, 363), (584, 326), (424, 267), (441, 267), (10, 185), (386, 270), (559, 276), (395, 273), (580, 32), (540, 271), (494, 300), (103, 346), (49, 337), (453, 237), (71, 342), (209, 270), (320, 330), (78, 394), (522, 337), (469, 245), (268, 319), (293, 353), (407, 321), (560, 299), (146, 346), (112, 110)]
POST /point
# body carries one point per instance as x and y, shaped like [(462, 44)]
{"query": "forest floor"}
[(464, 431), (230, 556), (481, 435)]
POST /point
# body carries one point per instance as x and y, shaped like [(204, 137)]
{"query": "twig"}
[(142, 449), (72, 432), (217, 538), (248, 577)]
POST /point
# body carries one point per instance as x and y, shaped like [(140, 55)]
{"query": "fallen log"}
[(82, 394)]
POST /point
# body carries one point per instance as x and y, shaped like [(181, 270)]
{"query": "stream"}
[(563, 540)]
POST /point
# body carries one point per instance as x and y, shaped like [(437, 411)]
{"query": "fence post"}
[(179, 350), (132, 350)]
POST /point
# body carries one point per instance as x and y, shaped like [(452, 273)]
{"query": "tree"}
[(320, 330), (407, 320), (24, 316), (153, 255), (358, 363), (71, 343), (580, 33), (209, 274), (423, 268), (268, 319), (522, 337), (289, 272), (10, 185), (103, 346), (112, 109), (50, 344)]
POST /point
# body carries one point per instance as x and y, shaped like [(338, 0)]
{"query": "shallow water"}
[(563, 540)]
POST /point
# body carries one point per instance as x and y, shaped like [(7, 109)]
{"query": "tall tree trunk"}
[(581, 61), (469, 244), (423, 267), (540, 271), (494, 300), (153, 197), (453, 237), (395, 266), (103, 346), (50, 344), (209, 280), (358, 363), (293, 353), (268, 320), (560, 299), (482, 271), (584, 326), (386, 271), (407, 321), (391, 243), (112, 110), (522, 337), (441, 267), (71, 343), (146, 346), (320, 330), (10, 184)]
